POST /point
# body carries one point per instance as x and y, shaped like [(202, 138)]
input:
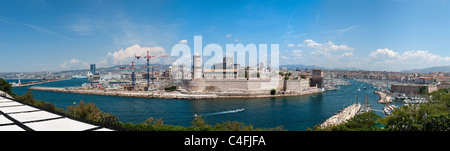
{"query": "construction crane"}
[(148, 67), (133, 77)]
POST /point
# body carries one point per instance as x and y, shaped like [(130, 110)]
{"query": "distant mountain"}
[(430, 69), (303, 67)]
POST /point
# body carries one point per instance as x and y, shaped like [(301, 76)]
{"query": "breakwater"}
[(384, 97), (37, 82), (342, 116), (173, 94)]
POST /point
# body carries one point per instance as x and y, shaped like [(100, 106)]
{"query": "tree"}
[(364, 121), (423, 90), (303, 76), (171, 88), (273, 91), (437, 123), (28, 97), (6, 87), (88, 111)]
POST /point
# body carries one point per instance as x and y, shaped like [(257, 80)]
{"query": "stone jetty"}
[(384, 97), (341, 116)]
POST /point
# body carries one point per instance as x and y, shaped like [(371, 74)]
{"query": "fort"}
[(413, 88), (230, 77)]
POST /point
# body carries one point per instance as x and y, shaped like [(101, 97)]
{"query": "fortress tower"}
[(317, 78), (197, 66)]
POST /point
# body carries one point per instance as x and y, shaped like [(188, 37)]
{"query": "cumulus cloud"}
[(73, 61), (384, 53), (324, 48), (125, 56), (290, 45), (386, 58), (184, 41), (329, 46), (73, 64), (346, 54), (297, 53)]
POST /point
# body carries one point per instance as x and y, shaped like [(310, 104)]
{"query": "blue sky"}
[(392, 35)]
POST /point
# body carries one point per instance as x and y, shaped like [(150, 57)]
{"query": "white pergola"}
[(15, 116)]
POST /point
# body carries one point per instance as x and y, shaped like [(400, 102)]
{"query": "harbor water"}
[(295, 113)]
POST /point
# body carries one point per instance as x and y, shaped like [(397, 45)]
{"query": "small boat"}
[(359, 90), (239, 110)]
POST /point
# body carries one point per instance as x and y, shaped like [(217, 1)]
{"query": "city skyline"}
[(383, 35)]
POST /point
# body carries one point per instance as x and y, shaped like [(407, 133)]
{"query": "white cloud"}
[(74, 61), (290, 45), (340, 31), (125, 56), (297, 53), (228, 35), (386, 59), (329, 46), (73, 64), (184, 41), (346, 54), (284, 57), (383, 53)]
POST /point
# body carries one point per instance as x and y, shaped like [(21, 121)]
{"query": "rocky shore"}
[(173, 94)]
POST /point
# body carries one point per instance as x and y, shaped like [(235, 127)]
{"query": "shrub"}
[(6, 87), (171, 88), (273, 91)]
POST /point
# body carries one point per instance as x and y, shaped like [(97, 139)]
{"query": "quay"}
[(37, 82), (341, 117), (173, 94), (384, 97)]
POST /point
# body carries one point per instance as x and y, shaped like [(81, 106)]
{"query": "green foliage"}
[(438, 122), (364, 121), (28, 98), (273, 91), (360, 122), (286, 78), (423, 90), (6, 87), (88, 111), (171, 88), (303, 76)]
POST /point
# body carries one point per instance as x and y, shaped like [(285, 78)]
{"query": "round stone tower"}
[(197, 84), (197, 66)]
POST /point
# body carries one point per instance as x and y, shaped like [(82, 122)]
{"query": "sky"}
[(382, 35)]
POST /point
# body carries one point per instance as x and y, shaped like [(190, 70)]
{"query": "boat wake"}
[(224, 112)]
